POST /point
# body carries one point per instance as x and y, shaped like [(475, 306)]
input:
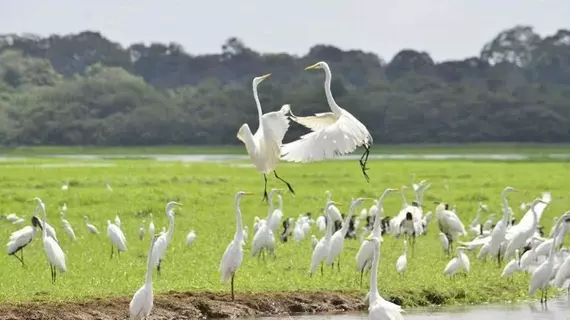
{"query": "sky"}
[(446, 29)]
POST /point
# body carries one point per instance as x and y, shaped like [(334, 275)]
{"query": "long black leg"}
[(22, 261), (264, 189), (361, 274), (287, 183), (363, 160), (23, 264), (112, 251), (158, 267), (338, 264), (233, 275), (322, 272)]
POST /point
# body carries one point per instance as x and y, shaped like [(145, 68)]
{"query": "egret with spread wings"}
[(333, 133), (264, 147)]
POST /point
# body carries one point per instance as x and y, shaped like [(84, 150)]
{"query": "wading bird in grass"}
[(91, 228), (21, 238), (333, 133), (542, 275), (337, 239), (67, 227), (164, 239), (365, 254), (54, 254), (233, 256), (141, 304), (323, 247), (151, 227), (141, 231), (402, 261), (117, 238), (379, 308), (264, 147), (118, 221), (191, 237)]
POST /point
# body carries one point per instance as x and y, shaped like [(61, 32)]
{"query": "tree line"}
[(84, 89)]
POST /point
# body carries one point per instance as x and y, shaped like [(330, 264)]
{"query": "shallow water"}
[(236, 157), (558, 309)]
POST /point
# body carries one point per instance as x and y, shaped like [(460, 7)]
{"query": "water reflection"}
[(556, 310)]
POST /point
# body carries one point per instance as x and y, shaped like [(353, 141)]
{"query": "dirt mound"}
[(175, 305)]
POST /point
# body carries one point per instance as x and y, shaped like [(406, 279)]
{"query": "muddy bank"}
[(191, 306)]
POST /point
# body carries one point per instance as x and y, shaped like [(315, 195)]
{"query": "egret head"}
[(374, 240), (243, 193), (318, 65), (257, 80)]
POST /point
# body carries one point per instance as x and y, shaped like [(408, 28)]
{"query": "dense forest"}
[(85, 89)]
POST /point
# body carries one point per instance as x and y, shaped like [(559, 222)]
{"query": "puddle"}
[(556, 310)]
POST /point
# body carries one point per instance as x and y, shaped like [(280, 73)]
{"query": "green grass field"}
[(207, 193), (481, 148)]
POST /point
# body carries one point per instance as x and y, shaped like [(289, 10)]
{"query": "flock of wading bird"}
[(334, 133)]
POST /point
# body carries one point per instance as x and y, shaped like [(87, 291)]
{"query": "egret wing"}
[(341, 137), (316, 122)]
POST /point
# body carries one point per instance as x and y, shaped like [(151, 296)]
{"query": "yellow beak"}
[(314, 66), (265, 76), (248, 193)]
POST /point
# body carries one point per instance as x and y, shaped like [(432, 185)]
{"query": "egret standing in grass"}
[(333, 133), (191, 237), (379, 308), (542, 275), (67, 227), (233, 256), (142, 302), (264, 147), (323, 247), (164, 239), (337, 239), (117, 238), (151, 228), (402, 261), (91, 228), (21, 238), (54, 254)]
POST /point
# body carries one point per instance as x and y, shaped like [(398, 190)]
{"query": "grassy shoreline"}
[(207, 191), (474, 148)]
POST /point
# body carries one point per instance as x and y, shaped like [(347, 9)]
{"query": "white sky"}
[(447, 29)]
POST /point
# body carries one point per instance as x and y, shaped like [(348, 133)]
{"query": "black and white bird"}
[(21, 238)]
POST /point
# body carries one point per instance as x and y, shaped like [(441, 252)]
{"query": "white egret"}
[(21, 238), (191, 237), (54, 254), (118, 221), (164, 239), (402, 261), (379, 308), (456, 264), (333, 210), (151, 228), (323, 247), (117, 238), (337, 239), (563, 273), (541, 275), (365, 253), (142, 302), (444, 242), (233, 256), (521, 236), (499, 231), (513, 266), (333, 133), (264, 147), (314, 242), (275, 221), (141, 231), (67, 227), (91, 228)]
